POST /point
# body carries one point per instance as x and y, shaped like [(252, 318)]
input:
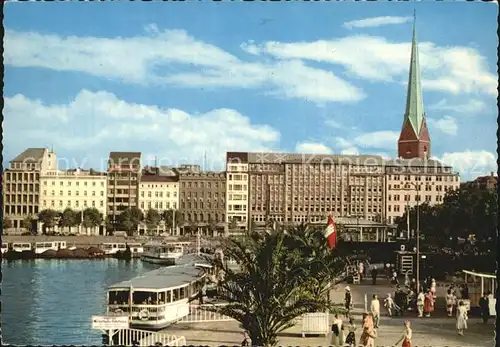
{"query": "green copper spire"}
[(414, 101)]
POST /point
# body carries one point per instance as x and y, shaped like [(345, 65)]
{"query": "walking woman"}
[(428, 303), (369, 334), (351, 335), (406, 338), (461, 318), (337, 333)]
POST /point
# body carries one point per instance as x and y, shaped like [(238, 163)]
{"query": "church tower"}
[(414, 141)]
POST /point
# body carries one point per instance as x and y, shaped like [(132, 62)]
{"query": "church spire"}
[(414, 101), (414, 141)]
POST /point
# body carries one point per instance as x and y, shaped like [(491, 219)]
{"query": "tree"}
[(193, 227), (233, 224), (27, 223), (129, 219), (108, 221), (153, 219), (168, 217), (212, 227), (271, 288), (49, 218), (69, 218), (7, 223), (92, 218)]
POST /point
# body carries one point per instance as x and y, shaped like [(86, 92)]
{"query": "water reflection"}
[(52, 301)]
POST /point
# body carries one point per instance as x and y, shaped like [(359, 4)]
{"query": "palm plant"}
[(272, 286)]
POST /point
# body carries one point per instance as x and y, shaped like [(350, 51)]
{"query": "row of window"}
[(22, 176), (200, 205), (77, 193), (237, 207), (76, 183), (238, 187), (21, 210), (25, 199), (208, 195), (75, 203), (203, 184), (158, 205), (159, 194), (426, 178), (237, 177)]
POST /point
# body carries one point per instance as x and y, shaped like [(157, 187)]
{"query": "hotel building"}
[(21, 184), (159, 192)]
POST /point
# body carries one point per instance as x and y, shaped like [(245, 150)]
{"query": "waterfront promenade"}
[(78, 241), (437, 331)]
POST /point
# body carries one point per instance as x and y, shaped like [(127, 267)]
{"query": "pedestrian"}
[(420, 303), (389, 304), (361, 269), (374, 276), (465, 293), (351, 333), (461, 318), (369, 334), (337, 339), (406, 338), (428, 303), (450, 302), (407, 279), (433, 287), (247, 341), (347, 301), (484, 305), (375, 310), (394, 280)]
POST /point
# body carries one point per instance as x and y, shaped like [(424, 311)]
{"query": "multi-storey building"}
[(416, 181), (203, 198), (124, 172), (296, 188), (158, 192), (76, 188), (237, 188), (21, 184)]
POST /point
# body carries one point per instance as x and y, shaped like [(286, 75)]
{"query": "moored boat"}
[(162, 253), (5, 247), (136, 248), (160, 297), (41, 247), (112, 248)]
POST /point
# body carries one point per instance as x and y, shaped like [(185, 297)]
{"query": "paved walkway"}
[(434, 331)]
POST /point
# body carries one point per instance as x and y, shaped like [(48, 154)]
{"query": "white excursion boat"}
[(21, 246), (5, 247), (161, 253), (113, 248), (160, 297), (41, 247), (136, 248)]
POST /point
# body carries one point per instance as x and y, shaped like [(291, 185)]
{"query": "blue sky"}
[(178, 80)]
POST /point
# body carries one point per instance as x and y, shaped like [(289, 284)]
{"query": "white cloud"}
[(101, 122), (342, 143), (333, 123), (312, 148), (173, 57), (447, 124), (471, 164), (375, 22), (378, 139), (450, 69), (471, 106), (350, 151)]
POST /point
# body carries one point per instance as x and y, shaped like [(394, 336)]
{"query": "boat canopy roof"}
[(167, 277)]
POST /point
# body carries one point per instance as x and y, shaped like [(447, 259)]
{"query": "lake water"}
[(50, 302)]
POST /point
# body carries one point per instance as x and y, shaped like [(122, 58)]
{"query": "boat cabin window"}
[(122, 246), (145, 298), (169, 296), (175, 294), (4, 245), (107, 246), (118, 297)]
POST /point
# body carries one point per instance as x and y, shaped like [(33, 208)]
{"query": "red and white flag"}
[(331, 233)]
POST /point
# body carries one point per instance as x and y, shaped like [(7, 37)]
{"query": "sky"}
[(186, 82)]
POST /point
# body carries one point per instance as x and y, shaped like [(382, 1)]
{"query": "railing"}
[(199, 313), (135, 337), (315, 323)]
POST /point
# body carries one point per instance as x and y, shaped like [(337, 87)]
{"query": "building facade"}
[(295, 188), (158, 192), (237, 182), (76, 189), (203, 198), (21, 184), (124, 173), (416, 181)]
